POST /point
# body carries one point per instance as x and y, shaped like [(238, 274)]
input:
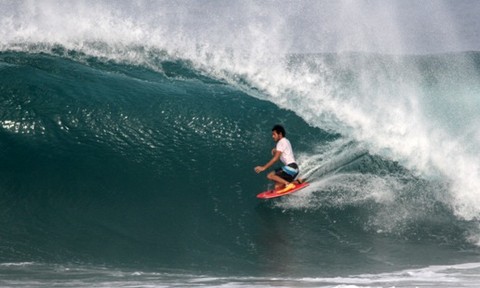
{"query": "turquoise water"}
[(114, 169)]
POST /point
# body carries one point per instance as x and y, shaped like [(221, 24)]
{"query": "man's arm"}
[(272, 161)]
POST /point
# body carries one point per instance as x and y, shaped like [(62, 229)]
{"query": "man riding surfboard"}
[(283, 177)]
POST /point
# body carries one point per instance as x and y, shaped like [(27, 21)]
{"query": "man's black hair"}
[(279, 129)]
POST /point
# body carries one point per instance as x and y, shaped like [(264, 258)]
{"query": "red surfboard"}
[(274, 193)]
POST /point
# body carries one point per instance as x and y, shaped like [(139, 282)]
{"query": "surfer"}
[(284, 176)]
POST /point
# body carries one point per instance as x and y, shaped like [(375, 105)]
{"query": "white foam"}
[(459, 275), (17, 264)]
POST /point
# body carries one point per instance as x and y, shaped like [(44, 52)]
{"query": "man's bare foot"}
[(299, 181), (287, 188)]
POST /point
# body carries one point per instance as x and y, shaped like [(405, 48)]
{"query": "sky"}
[(395, 26), (384, 26)]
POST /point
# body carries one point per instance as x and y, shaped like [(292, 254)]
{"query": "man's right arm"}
[(272, 161)]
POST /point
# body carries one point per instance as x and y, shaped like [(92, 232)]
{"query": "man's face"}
[(276, 136)]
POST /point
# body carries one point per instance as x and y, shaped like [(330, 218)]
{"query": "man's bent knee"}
[(270, 175)]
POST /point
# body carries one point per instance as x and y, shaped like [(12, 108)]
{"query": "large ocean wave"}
[(118, 163), (124, 141)]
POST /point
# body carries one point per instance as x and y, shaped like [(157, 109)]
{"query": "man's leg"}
[(279, 181)]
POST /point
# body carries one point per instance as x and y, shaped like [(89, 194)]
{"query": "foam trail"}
[(330, 158)]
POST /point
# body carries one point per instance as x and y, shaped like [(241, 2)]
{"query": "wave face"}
[(124, 142), (120, 164)]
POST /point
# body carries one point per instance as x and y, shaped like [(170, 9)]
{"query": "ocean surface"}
[(130, 164)]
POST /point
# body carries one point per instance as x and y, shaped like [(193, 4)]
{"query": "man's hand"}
[(275, 158), (259, 169)]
